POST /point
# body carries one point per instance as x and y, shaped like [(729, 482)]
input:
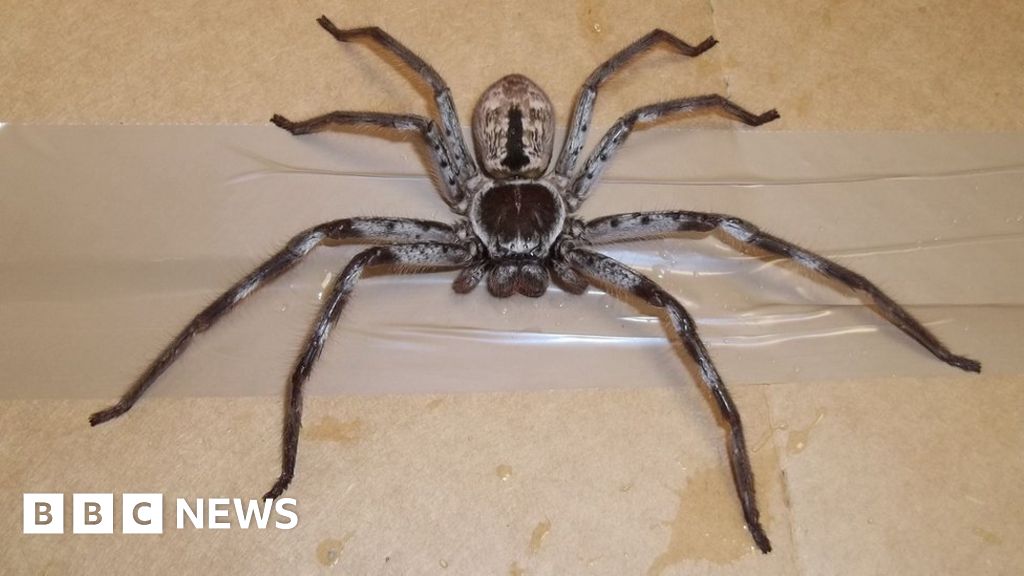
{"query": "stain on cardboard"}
[(707, 525), (503, 471), (329, 551), (330, 429), (537, 537), (799, 437)]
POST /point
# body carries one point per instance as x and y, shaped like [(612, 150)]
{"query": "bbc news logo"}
[(144, 513)]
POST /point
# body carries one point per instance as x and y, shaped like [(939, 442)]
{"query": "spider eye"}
[(513, 129)]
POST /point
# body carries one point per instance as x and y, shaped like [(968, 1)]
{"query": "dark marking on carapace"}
[(513, 212)]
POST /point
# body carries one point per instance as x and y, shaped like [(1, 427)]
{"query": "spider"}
[(516, 227)]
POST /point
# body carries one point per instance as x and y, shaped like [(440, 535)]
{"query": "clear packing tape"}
[(112, 237)]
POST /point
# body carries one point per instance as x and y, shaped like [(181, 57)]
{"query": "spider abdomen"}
[(518, 219), (513, 129)]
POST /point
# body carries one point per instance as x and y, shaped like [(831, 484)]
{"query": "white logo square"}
[(92, 513), (42, 514), (142, 513)]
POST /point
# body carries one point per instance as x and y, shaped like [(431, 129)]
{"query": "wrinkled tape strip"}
[(112, 237)]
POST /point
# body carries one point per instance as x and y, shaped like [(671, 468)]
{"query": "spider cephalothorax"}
[(517, 221), (515, 226)]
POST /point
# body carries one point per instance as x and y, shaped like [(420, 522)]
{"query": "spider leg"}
[(584, 108), (448, 174), (377, 229), (442, 95), (566, 278), (430, 255), (624, 227), (618, 275), (579, 189)]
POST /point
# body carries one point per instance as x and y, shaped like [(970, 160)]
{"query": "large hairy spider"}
[(516, 228)]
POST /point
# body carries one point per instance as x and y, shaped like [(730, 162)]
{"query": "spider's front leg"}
[(426, 255), (640, 225), (448, 175), (584, 107), (612, 272), (579, 189), (377, 229), (442, 95)]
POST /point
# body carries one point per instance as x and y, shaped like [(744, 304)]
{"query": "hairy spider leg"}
[(427, 255), (442, 95), (625, 227), (376, 229), (451, 192), (616, 274), (567, 278), (583, 109), (617, 134)]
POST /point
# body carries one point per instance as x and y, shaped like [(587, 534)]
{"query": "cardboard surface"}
[(940, 65), (858, 472)]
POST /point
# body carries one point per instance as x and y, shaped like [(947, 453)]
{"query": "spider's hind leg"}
[(749, 234), (618, 275), (430, 255), (625, 227), (380, 229), (296, 249)]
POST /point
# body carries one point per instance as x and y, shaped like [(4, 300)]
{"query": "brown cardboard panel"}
[(222, 63), (829, 64), (903, 476), (596, 482), (826, 65)]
